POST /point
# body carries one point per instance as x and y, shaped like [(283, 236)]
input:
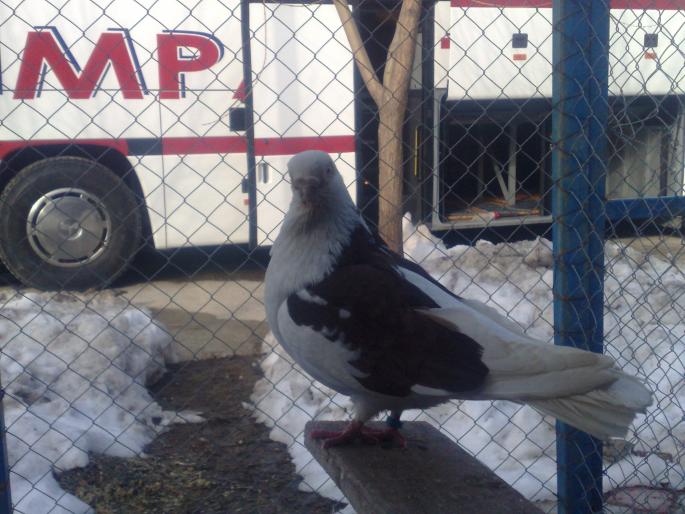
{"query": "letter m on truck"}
[(128, 127)]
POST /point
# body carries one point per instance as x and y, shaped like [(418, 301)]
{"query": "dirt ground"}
[(226, 465)]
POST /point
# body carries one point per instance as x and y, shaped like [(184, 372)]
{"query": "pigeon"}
[(376, 327)]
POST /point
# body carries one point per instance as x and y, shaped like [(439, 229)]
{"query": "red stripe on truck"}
[(291, 145), (263, 146), (661, 5), (197, 145), (7, 147), (502, 3)]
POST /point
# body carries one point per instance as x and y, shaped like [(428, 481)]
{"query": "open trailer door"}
[(493, 118)]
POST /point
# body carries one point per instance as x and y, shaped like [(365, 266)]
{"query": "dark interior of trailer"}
[(494, 163), (495, 159)]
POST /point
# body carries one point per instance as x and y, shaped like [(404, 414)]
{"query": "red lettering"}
[(171, 65), (42, 47)]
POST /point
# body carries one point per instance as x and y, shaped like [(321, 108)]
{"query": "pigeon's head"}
[(315, 180)]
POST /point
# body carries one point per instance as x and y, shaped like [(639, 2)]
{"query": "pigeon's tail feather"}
[(604, 412), (581, 388)]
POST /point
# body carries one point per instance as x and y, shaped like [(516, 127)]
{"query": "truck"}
[(131, 124)]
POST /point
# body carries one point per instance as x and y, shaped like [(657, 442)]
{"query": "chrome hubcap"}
[(68, 227)]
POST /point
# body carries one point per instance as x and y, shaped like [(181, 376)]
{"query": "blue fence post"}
[(579, 119), (5, 492)]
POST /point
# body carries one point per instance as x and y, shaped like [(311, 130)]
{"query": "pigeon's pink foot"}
[(351, 433), (356, 430), (385, 435)]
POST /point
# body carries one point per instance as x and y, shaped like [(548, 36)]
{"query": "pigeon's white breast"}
[(328, 361)]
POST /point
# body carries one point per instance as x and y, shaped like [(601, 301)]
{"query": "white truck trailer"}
[(129, 123)]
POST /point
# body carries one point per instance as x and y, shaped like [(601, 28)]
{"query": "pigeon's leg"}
[(393, 430), (356, 430), (353, 431), (392, 433)]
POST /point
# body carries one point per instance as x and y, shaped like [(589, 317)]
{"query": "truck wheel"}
[(68, 223)]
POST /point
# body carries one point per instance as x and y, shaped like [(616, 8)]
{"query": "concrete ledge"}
[(432, 475)]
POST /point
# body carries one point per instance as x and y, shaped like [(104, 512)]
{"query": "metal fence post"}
[(580, 97), (5, 491), (246, 38)]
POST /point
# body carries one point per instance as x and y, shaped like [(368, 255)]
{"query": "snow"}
[(74, 369), (644, 332)]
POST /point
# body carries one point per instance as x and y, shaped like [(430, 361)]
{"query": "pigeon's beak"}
[(309, 192), (309, 195)]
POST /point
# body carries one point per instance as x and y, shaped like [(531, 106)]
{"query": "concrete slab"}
[(432, 475), (214, 314)]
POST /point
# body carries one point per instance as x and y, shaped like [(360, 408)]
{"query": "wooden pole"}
[(390, 96)]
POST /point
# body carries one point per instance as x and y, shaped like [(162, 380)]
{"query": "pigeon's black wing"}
[(368, 248), (366, 312)]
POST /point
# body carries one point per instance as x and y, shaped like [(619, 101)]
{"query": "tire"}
[(68, 223)]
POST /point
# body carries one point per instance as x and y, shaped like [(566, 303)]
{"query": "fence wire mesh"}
[(143, 149)]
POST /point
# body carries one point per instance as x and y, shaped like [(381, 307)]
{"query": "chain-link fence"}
[(143, 148)]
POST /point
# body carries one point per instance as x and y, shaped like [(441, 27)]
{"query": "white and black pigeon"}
[(377, 328)]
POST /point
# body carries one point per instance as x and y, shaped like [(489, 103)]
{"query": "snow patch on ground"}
[(285, 399), (644, 332), (74, 369)]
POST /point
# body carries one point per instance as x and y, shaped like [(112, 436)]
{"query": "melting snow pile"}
[(644, 331), (74, 370)]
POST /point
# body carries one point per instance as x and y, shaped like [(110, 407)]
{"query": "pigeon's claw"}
[(357, 431), (392, 436), (330, 438)]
